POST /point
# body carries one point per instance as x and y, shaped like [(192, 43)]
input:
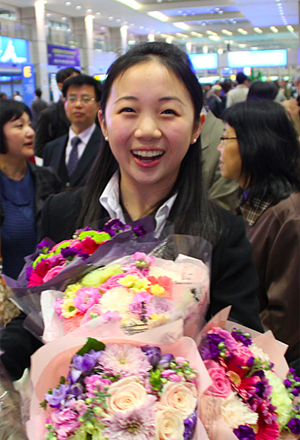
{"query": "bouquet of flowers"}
[(54, 258), (140, 292), (117, 389), (248, 397)]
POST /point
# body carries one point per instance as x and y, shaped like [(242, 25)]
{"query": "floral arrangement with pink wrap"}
[(139, 291), (117, 389), (247, 395)]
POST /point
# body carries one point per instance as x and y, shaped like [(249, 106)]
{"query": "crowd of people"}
[(144, 144)]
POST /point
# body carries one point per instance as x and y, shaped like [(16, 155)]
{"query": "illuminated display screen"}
[(204, 61), (13, 50), (257, 58)]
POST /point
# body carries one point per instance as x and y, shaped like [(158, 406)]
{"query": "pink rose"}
[(125, 395), (86, 297), (93, 312), (53, 272), (221, 386), (181, 396), (169, 424)]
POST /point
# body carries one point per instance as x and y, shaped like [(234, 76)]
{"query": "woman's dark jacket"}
[(234, 279)]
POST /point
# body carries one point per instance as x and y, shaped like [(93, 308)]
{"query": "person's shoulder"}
[(287, 208)]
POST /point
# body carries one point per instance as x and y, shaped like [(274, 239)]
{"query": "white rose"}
[(125, 394), (181, 396), (116, 300), (169, 424), (235, 412)]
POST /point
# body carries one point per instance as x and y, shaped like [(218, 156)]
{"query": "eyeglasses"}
[(222, 138), (83, 99)]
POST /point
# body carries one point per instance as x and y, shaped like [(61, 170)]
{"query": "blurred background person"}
[(226, 85), (73, 154), (260, 151), (240, 92), (3, 95), (17, 96), (261, 90), (53, 122), (37, 105), (293, 105), (214, 101), (24, 187)]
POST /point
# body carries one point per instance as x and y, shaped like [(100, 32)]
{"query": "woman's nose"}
[(147, 128)]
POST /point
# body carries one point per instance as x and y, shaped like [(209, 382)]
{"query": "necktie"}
[(73, 159)]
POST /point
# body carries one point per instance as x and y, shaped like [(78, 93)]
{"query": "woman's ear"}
[(197, 128), (102, 123)]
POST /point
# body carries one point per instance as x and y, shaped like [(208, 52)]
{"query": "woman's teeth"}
[(146, 154)]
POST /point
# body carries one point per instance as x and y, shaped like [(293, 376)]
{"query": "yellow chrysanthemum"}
[(157, 290), (134, 283), (68, 309), (71, 290)]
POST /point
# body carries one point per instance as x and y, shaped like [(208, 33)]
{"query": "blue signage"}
[(204, 61), (257, 58), (14, 50), (63, 56), (28, 77)]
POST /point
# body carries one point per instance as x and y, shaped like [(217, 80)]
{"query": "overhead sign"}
[(63, 56), (28, 77), (257, 58), (204, 61), (14, 50)]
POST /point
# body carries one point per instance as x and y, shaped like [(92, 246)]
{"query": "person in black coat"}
[(150, 164), (82, 95), (53, 122)]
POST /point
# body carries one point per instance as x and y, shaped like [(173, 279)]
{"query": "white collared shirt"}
[(84, 136), (110, 200)]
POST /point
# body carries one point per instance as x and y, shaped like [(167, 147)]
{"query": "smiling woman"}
[(150, 164), (23, 187)]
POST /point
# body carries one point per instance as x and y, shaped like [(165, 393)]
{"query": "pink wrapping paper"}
[(216, 427), (51, 362)]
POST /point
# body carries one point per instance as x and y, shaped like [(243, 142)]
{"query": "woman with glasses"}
[(260, 151), (150, 164)]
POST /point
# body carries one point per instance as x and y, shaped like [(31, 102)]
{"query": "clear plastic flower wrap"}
[(254, 395), (128, 389)]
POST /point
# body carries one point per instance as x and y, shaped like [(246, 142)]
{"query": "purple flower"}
[(244, 432), (28, 272), (153, 354), (160, 304), (69, 252), (139, 230), (114, 226), (294, 426), (83, 364), (210, 348), (189, 425), (244, 338), (42, 244), (57, 396), (165, 361)]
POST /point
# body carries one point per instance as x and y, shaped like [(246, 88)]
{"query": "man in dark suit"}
[(37, 105), (73, 154), (53, 122)]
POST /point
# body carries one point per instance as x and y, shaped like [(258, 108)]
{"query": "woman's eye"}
[(169, 111), (127, 110)]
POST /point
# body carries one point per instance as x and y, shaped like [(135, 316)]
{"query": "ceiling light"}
[(254, 48), (220, 12), (131, 4), (158, 15), (257, 30), (196, 34), (214, 37), (78, 7), (98, 13), (111, 17), (242, 31), (89, 11), (290, 28), (68, 3), (242, 45), (179, 34), (274, 29), (226, 32), (63, 18), (48, 14), (220, 51), (181, 25), (211, 33)]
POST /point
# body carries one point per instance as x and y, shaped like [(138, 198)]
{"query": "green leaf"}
[(91, 344)]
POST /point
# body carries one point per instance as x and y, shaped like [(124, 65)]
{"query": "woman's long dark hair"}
[(269, 148), (192, 213)]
